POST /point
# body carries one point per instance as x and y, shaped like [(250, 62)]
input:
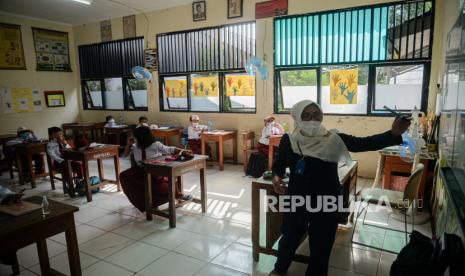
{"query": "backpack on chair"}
[(257, 165)]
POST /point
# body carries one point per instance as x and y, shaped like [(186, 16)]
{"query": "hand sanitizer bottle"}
[(210, 126), (45, 206)]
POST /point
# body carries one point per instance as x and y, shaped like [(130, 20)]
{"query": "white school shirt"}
[(267, 132), (156, 149), (194, 132), (53, 150), (19, 140)]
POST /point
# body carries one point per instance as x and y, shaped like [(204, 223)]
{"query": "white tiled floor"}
[(115, 239)]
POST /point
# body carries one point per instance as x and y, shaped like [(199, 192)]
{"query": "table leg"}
[(86, 179), (203, 189), (20, 167), (202, 143), (379, 169), (101, 172), (70, 178), (116, 161), (43, 257), (31, 170), (180, 184), (235, 149), (118, 139), (73, 251), (255, 222), (148, 195), (270, 157), (172, 200), (221, 153)]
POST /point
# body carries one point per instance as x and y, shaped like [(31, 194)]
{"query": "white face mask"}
[(195, 124), (111, 121), (310, 127)]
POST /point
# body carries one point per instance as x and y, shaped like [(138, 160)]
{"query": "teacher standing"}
[(312, 154)]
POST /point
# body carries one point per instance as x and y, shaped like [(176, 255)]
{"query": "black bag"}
[(424, 256), (258, 164)]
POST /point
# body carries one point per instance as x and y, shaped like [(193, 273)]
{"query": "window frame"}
[(125, 86), (221, 92), (371, 87)]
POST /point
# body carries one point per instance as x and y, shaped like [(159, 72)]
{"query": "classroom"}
[(232, 137)]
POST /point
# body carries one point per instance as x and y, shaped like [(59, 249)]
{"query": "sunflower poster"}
[(343, 86), (240, 85), (176, 88), (205, 86)]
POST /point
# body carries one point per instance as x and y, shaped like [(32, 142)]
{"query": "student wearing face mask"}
[(194, 133), (271, 128), (110, 121), (312, 154)]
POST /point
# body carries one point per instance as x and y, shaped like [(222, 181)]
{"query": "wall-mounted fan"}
[(141, 73), (255, 65)]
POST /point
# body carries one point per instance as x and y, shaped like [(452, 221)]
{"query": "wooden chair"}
[(53, 171), (248, 146), (65, 128)]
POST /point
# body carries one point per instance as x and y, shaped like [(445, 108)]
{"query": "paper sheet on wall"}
[(21, 100), (343, 86)]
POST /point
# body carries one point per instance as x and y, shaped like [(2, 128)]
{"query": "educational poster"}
[(240, 85), (205, 86), (129, 26), (151, 60), (343, 86), (176, 88), (11, 47), (52, 50), (105, 30), (16, 100)]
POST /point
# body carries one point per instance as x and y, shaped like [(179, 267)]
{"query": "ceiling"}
[(74, 13)]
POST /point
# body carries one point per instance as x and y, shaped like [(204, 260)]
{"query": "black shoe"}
[(186, 197)]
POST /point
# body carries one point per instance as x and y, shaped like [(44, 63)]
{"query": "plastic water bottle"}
[(45, 206), (210, 126), (121, 120)]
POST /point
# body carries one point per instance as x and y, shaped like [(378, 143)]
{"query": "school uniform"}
[(194, 134), (55, 151), (132, 179), (319, 178), (264, 141)]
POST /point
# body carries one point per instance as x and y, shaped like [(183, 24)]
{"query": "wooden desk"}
[(390, 161), (83, 128), (18, 232), (272, 220), (220, 137), (98, 153), (26, 150), (118, 131), (273, 142), (165, 134), (6, 137), (174, 171)]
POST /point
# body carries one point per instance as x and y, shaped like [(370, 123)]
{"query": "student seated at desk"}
[(271, 128), (132, 179), (144, 121), (55, 149), (110, 121), (194, 133), (25, 135)]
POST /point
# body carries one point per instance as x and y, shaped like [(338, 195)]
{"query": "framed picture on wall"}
[(199, 11), (52, 50), (234, 8), (54, 98), (11, 51)]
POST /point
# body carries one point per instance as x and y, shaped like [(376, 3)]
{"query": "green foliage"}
[(137, 84), (298, 78)]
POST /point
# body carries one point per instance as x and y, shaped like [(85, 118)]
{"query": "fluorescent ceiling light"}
[(87, 2)]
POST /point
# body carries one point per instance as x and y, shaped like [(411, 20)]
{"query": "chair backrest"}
[(413, 183), (248, 140)]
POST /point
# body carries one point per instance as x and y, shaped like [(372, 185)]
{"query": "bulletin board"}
[(52, 50), (240, 85), (205, 86), (343, 86), (11, 47), (19, 100), (176, 88)]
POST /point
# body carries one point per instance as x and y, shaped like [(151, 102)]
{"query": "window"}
[(399, 87), (136, 93), (239, 92), (175, 93), (107, 82), (295, 86), (344, 89), (363, 58), (209, 63)]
